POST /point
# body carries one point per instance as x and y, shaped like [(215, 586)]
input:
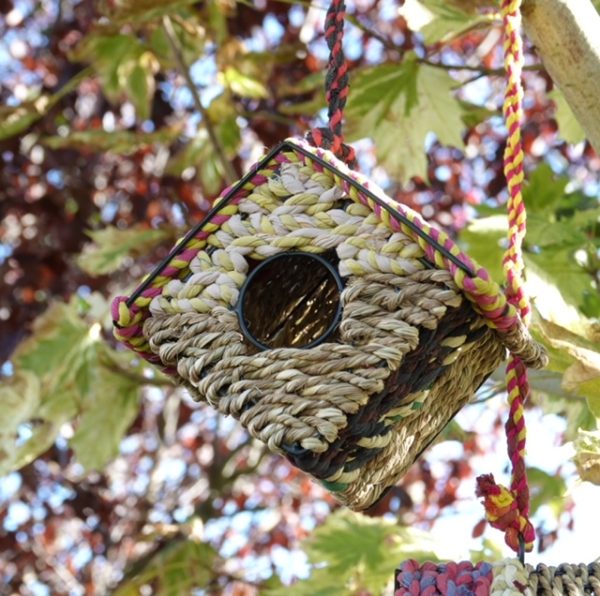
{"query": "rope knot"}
[(502, 512), (326, 139)]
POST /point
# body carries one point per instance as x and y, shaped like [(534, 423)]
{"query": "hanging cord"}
[(508, 510), (336, 88)]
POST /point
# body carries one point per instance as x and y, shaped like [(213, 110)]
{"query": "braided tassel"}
[(508, 510)]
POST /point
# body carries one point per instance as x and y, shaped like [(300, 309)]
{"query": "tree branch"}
[(567, 39), (228, 171), (480, 70)]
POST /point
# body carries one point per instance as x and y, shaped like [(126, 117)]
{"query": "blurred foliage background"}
[(120, 122)]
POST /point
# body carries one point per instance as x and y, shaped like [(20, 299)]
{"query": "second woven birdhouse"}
[(334, 324)]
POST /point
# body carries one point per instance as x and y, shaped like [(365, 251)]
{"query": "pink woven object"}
[(449, 579)]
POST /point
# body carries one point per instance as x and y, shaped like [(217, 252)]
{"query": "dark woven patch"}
[(420, 369)]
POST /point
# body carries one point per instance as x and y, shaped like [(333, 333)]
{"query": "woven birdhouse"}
[(335, 324)]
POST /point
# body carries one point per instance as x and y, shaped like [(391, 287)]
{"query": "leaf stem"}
[(228, 170), (114, 366), (478, 69)]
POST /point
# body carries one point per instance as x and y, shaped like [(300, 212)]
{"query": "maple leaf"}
[(398, 106)]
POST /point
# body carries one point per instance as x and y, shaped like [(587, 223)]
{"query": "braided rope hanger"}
[(508, 509), (336, 88)]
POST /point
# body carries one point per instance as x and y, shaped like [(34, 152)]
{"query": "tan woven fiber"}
[(297, 391), (511, 577), (356, 410), (573, 580), (411, 436)]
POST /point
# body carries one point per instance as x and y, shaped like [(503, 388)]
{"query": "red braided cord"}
[(509, 510), (336, 87)]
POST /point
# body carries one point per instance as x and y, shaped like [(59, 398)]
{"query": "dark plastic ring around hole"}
[(322, 262)]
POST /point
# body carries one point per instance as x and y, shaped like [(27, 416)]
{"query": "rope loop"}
[(323, 137)]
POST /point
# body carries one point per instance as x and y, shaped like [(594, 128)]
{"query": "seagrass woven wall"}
[(326, 318), (355, 410)]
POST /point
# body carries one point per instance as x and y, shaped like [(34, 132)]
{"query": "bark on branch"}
[(566, 34)]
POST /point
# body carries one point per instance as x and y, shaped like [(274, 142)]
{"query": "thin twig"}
[(384, 41), (115, 367), (273, 117), (228, 171), (482, 72)]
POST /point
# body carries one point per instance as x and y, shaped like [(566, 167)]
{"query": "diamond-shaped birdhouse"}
[(335, 324)]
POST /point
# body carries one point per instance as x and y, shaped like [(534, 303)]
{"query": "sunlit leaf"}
[(54, 350), (110, 54), (141, 11), (137, 79), (353, 553), (483, 241), (200, 154), (15, 120), (125, 66), (576, 358), (546, 489), (109, 406), (63, 371), (397, 106), (440, 20), (243, 85), (41, 396), (311, 82), (587, 455), (543, 190), (473, 114), (20, 400), (556, 267), (568, 125), (216, 20), (111, 246), (575, 412), (190, 36), (180, 567)]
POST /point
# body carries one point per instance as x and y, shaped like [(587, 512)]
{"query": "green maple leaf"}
[(112, 246), (568, 125), (587, 455), (182, 566), (110, 406), (62, 373), (397, 106), (449, 21), (352, 553)]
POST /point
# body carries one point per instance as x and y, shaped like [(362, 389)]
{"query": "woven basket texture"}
[(503, 578), (356, 410)]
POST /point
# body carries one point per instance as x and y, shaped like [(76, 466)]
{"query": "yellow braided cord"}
[(513, 157), (508, 510)]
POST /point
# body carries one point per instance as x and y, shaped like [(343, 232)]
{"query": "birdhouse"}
[(335, 324)]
